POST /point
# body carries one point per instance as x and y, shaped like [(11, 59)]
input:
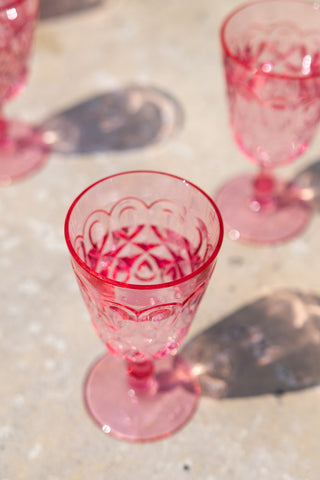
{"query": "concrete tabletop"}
[(257, 331)]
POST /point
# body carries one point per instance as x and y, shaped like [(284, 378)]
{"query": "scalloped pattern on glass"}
[(282, 48), (135, 243), (141, 244), (16, 34), (274, 87), (139, 334)]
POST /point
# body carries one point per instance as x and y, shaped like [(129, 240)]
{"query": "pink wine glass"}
[(143, 247), (271, 52), (22, 146)]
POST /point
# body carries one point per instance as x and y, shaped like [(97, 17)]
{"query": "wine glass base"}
[(274, 223), (131, 415), (22, 151)]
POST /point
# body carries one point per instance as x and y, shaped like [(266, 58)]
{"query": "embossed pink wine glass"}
[(22, 146), (143, 247), (271, 51)]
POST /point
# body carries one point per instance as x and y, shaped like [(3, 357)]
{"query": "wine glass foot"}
[(22, 151), (130, 415), (244, 219)]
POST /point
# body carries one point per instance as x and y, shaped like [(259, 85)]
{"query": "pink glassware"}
[(143, 247), (22, 147), (271, 52)]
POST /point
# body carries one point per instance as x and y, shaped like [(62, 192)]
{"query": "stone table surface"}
[(257, 331)]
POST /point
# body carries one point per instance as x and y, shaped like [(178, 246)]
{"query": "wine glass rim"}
[(229, 53), (11, 4), (136, 286)]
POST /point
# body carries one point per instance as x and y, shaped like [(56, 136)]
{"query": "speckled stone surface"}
[(247, 427)]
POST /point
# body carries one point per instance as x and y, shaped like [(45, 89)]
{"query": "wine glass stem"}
[(264, 187), (141, 375), (3, 128)]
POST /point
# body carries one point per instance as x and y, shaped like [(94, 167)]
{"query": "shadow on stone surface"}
[(56, 8), (270, 346), (126, 118), (309, 181)]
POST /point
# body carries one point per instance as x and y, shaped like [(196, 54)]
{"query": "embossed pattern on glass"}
[(144, 246), (22, 146), (271, 55)]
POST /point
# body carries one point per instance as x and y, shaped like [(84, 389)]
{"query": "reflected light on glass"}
[(199, 369), (12, 13), (106, 429), (267, 67), (234, 234), (306, 64), (50, 137), (255, 206)]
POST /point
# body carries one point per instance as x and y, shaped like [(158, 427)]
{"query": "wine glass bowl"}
[(271, 53), (143, 247), (22, 146)]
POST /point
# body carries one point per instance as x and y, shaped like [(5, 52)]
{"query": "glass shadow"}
[(56, 8), (122, 119), (270, 346)]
